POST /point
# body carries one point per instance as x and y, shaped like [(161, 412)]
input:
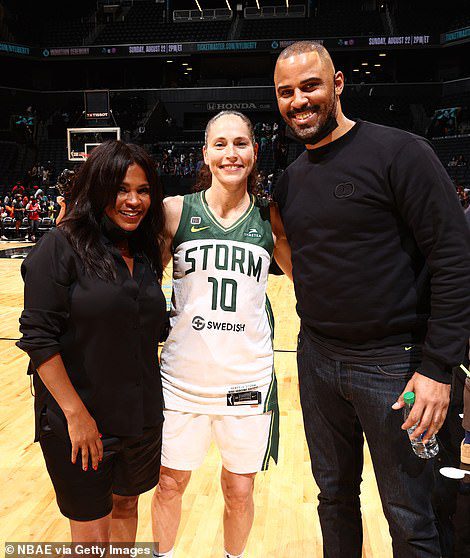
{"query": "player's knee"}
[(124, 506), (238, 498), (171, 486)]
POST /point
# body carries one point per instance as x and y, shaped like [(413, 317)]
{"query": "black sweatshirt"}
[(380, 246)]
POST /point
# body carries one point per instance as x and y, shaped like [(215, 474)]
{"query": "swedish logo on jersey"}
[(252, 233), (198, 323)]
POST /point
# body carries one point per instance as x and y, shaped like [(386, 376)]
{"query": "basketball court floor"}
[(286, 523)]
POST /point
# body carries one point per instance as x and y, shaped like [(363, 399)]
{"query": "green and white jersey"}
[(218, 358)]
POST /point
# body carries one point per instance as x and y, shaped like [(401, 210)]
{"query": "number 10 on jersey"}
[(228, 294)]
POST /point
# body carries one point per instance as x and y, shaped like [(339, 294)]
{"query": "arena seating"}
[(447, 148), (71, 33), (333, 19), (54, 151), (8, 152), (62, 27), (145, 23), (429, 21), (15, 160)]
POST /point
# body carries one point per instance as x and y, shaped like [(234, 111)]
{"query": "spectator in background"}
[(45, 176), (18, 209), (199, 165), (3, 214), (51, 208), (33, 209), (263, 143), (18, 188), (9, 208), (462, 194), (282, 156)]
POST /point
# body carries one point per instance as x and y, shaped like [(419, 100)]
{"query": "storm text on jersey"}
[(234, 258)]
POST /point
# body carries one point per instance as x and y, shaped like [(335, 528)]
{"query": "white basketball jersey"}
[(218, 358)]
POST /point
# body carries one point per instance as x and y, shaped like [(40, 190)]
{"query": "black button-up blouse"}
[(106, 332)]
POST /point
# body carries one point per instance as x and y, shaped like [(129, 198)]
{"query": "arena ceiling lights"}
[(226, 1)]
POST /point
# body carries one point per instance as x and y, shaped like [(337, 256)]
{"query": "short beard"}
[(309, 135)]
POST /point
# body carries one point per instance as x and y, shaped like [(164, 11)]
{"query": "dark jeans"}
[(340, 403)]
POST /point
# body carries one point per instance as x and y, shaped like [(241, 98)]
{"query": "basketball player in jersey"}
[(217, 364)]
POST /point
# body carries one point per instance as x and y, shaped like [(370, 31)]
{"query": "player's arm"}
[(282, 253), (61, 201), (172, 209)]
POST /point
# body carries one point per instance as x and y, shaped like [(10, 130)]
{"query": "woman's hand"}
[(82, 428), (85, 438)]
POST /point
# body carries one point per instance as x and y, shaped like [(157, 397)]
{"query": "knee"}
[(237, 498), (124, 506), (171, 485)]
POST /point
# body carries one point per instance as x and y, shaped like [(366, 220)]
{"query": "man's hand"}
[(430, 408)]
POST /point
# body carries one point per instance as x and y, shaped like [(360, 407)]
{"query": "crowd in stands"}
[(449, 122), (464, 195), (186, 161), (267, 135), (458, 161), (177, 161), (39, 175), (33, 199), (28, 204)]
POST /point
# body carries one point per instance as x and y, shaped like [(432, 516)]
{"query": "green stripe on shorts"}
[(272, 449)]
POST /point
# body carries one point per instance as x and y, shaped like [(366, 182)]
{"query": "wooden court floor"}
[(286, 523)]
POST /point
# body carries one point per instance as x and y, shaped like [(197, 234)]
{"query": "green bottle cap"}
[(409, 398)]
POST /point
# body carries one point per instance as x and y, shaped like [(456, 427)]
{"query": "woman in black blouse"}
[(94, 311)]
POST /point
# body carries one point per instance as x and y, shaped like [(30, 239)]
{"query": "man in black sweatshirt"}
[(381, 255)]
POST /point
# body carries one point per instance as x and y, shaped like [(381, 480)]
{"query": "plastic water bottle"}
[(421, 449)]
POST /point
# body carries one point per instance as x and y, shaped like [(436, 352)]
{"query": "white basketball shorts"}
[(245, 443)]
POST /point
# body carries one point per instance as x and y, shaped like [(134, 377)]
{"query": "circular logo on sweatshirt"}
[(344, 190)]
